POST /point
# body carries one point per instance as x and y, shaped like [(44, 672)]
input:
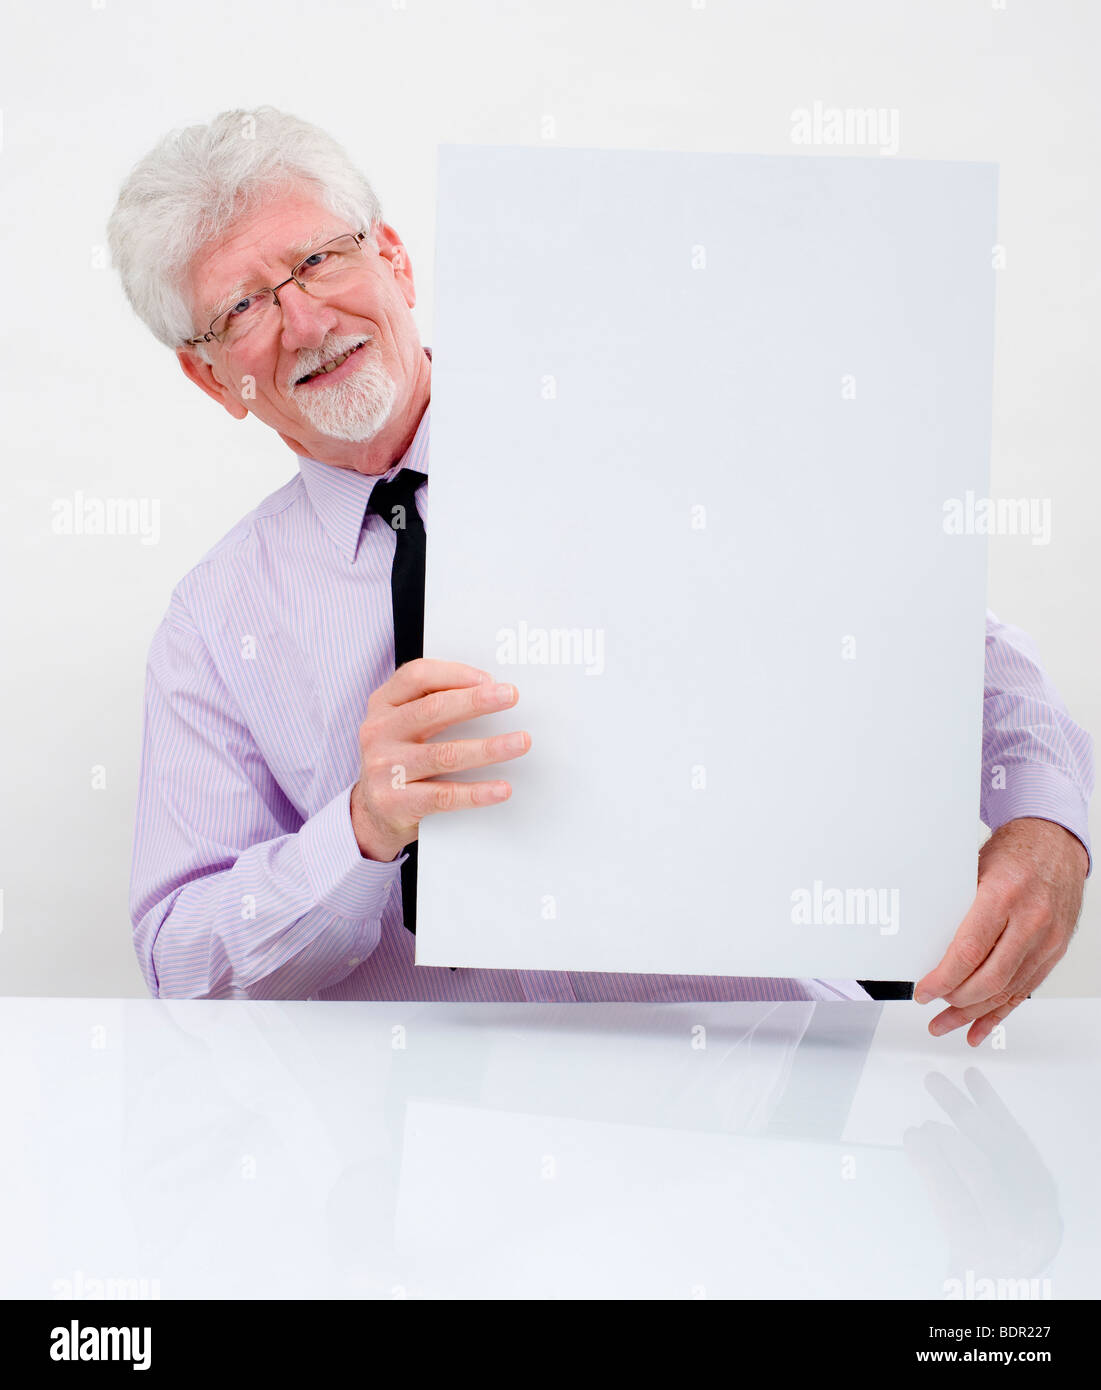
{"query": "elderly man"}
[(272, 831)]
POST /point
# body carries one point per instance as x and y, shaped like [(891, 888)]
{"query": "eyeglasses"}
[(323, 271)]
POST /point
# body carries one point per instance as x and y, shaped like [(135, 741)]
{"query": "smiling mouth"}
[(331, 366)]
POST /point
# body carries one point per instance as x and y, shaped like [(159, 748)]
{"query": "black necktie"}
[(396, 503)]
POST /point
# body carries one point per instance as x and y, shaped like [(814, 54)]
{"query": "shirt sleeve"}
[(232, 894), (1036, 761)]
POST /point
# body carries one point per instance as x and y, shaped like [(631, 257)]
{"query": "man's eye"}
[(241, 307), (312, 262)]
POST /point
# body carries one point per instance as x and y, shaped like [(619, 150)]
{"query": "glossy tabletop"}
[(318, 1150)]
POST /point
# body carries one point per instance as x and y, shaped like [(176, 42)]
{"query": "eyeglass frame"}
[(210, 336)]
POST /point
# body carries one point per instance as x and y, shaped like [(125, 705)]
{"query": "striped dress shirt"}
[(247, 880)]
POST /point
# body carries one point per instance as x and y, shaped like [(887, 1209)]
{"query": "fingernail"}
[(516, 743), (484, 678), (504, 692), (922, 996), (501, 790)]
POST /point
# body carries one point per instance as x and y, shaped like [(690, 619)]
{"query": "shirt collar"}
[(339, 496)]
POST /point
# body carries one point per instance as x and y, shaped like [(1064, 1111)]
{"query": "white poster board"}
[(697, 424)]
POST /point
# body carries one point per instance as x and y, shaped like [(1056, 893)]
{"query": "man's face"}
[(263, 370)]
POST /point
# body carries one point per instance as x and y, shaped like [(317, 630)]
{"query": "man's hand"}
[(1031, 874), (394, 793)]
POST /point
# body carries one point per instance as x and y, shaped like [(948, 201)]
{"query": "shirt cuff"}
[(343, 881), (1046, 793)]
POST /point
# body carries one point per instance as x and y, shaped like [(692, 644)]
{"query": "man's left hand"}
[(1031, 874)]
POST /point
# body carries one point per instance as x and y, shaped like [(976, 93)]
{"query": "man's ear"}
[(202, 374), (390, 248)]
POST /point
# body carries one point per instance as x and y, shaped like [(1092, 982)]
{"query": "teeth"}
[(332, 366)]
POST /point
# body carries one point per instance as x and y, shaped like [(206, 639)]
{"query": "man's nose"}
[(306, 320)]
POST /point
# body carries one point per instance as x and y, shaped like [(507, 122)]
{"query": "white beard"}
[(354, 409)]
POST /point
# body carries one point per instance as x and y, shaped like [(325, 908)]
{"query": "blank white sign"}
[(697, 423)]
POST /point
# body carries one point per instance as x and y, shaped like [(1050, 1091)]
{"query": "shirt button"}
[(354, 960)]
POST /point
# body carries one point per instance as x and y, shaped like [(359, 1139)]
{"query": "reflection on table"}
[(423, 1150)]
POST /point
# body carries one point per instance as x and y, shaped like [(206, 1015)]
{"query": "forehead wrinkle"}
[(318, 237)]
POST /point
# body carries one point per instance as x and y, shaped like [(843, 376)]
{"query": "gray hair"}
[(196, 182)]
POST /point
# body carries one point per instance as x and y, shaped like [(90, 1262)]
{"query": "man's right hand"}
[(394, 792)]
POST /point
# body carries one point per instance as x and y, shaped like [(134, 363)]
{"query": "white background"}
[(92, 402)]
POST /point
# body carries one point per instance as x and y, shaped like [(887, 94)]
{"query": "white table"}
[(309, 1150)]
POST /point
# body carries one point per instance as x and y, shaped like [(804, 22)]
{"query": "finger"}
[(422, 676), (436, 759), (959, 1015), (1017, 987), (983, 1026), (421, 719), (985, 920), (1033, 971), (430, 798), (1012, 951)]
